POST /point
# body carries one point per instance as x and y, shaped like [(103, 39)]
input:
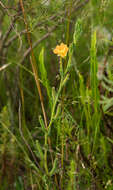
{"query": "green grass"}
[(57, 133)]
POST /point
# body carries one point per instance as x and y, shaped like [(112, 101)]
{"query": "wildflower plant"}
[(56, 132)]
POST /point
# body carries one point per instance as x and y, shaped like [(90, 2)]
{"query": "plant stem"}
[(33, 63), (34, 68)]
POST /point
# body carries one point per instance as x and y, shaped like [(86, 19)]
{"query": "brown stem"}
[(33, 63), (34, 68)]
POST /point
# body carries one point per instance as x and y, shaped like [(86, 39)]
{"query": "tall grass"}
[(70, 145)]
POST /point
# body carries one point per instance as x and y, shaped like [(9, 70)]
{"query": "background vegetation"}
[(56, 119)]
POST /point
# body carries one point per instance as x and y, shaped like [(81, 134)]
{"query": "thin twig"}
[(5, 8), (76, 8), (27, 52), (24, 31), (11, 26), (9, 30)]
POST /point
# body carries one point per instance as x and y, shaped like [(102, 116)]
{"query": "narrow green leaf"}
[(54, 169), (43, 72), (78, 31), (42, 124), (39, 149)]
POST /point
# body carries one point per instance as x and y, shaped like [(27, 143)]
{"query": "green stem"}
[(45, 155)]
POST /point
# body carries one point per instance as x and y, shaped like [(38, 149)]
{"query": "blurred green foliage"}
[(74, 151)]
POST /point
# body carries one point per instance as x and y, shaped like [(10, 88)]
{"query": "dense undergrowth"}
[(56, 112)]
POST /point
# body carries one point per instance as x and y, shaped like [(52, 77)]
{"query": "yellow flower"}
[(61, 50)]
